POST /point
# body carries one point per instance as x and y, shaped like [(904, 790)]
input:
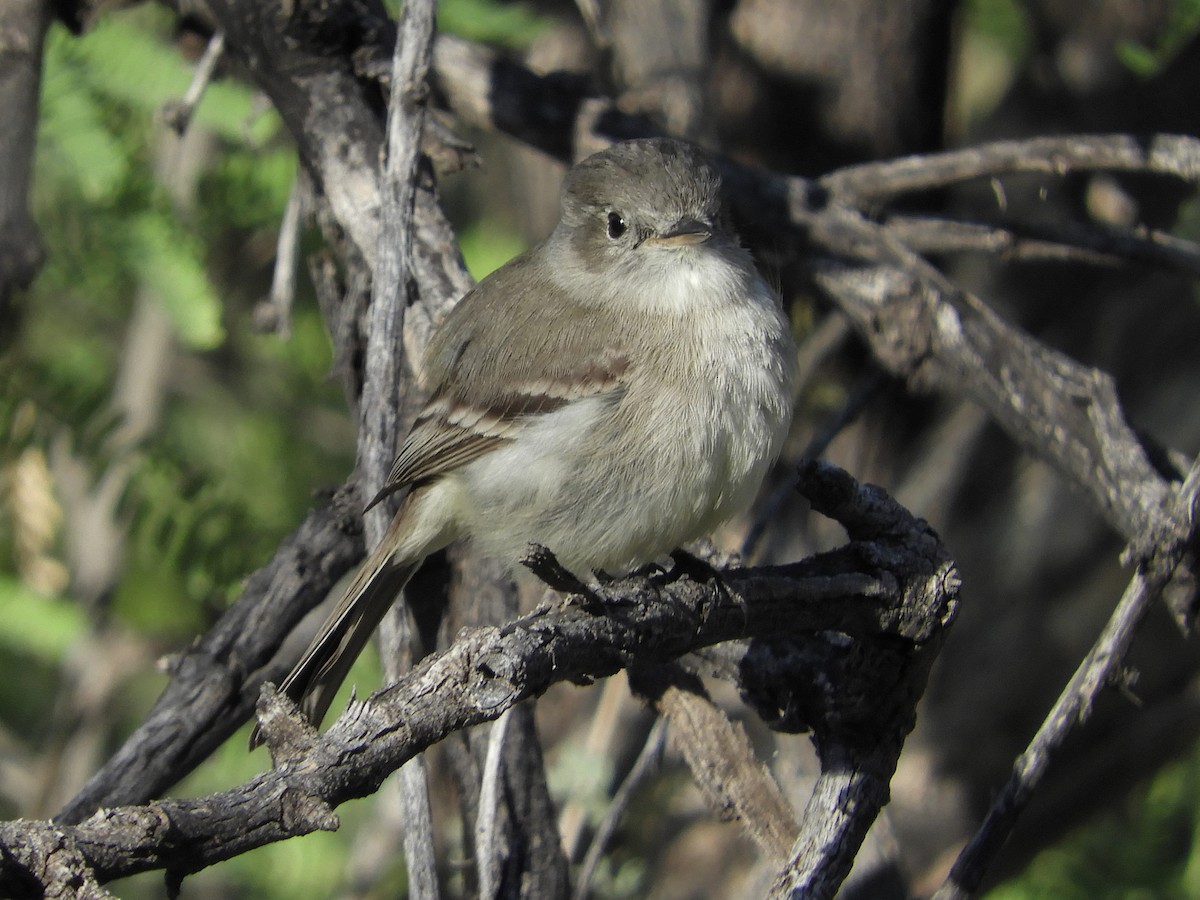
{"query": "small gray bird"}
[(613, 393)]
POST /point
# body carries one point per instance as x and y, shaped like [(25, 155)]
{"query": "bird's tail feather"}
[(316, 678)]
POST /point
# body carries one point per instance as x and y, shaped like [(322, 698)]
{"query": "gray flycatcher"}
[(616, 391)]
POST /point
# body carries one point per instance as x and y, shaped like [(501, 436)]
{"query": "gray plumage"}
[(616, 391)]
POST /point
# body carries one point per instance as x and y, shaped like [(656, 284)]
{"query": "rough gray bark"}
[(918, 323), (893, 582), (390, 397), (215, 683), (23, 26)]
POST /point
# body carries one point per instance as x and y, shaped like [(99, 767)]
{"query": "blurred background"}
[(158, 444)]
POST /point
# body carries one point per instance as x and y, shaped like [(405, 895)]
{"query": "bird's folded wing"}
[(452, 431)]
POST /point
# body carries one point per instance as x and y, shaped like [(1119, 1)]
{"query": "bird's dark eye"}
[(616, 225)]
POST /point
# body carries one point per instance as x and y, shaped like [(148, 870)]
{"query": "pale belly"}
[(611, 486)]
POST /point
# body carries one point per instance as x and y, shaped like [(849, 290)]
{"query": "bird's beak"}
[(684, 233)]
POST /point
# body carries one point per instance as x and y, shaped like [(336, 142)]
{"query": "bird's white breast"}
[(706, 406)]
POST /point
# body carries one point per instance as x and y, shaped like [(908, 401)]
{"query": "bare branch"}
[(1176, 156), (894, 579), (920, 326), (1026, 242), (178, 115), (23, 26), (831, 826), (552, 113), (734, 781), (927, 330), (389, 391), (1100, 669), (489, 861), (215, 683), (275, 312), (646, 763), (38, 860)]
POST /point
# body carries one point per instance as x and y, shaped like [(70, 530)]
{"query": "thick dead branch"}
[(23, 26), (38, 860), (215, 683), (925, 329), (893, 577), (919, 325)]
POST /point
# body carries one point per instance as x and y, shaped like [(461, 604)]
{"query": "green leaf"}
[(1138, 58), (511, 24), (1183, 23), (75, 146), (170, 265), (248, 188)]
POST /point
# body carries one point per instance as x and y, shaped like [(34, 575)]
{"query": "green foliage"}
[(248, 424), (1002, 23), (1151, 849), (1182, 25), (167, 260), (212, 491), (996, 41), (246, 190), (230, 473), (35, 626), (77, 152), (487, 246), (508, 24), (127, 60), (108, 220)]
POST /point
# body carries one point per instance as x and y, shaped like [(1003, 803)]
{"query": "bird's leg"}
[(650, 570), (693, 566)]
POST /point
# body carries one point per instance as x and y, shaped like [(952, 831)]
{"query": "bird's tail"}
[(315, 679)]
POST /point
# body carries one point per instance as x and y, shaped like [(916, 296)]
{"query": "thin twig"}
[(275, 312), (644, 766), (868, 387), (1160, 154), (488, 844), (178, 114), (1100, 669), (1032, 242)]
